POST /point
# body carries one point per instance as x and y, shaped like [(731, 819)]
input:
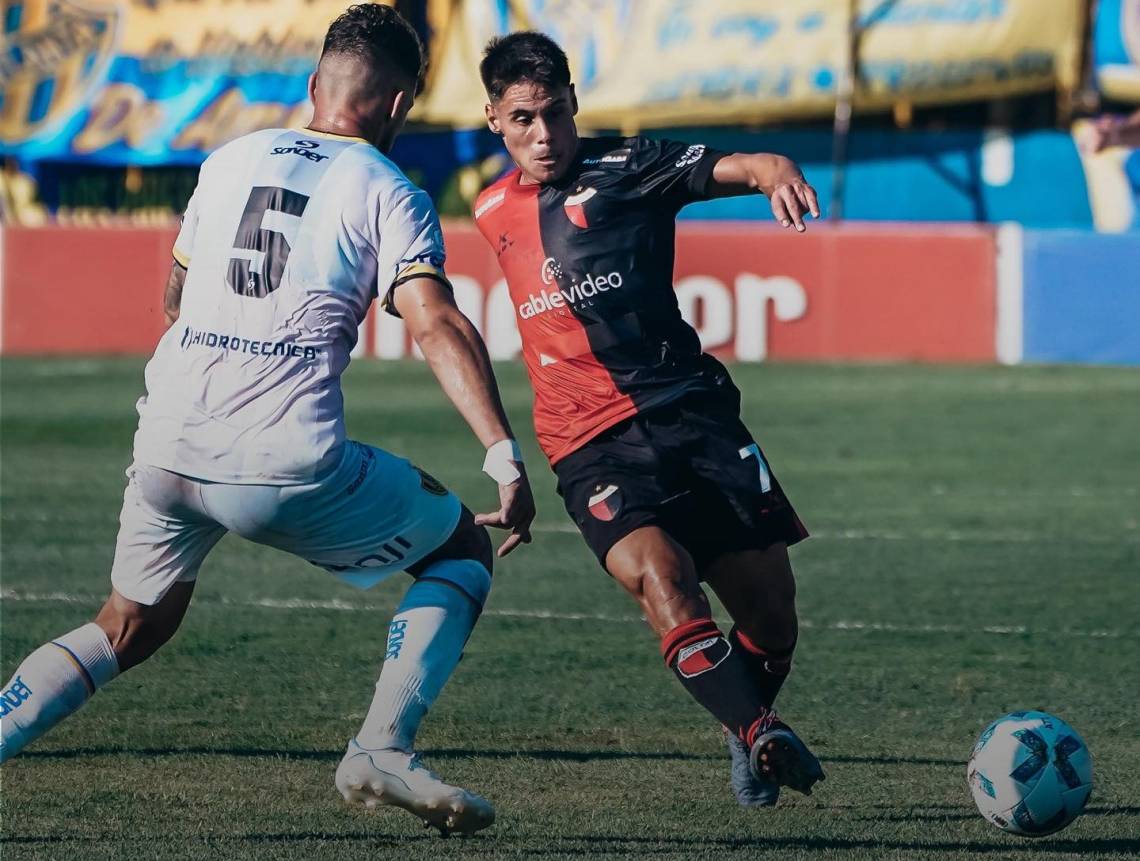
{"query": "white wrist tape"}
[(501, 459)]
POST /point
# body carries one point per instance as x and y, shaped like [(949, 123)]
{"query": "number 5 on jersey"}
[(264, 239)]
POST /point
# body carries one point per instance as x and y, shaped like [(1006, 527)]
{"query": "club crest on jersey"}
[(605, 503), (431, 484), (575, 205), (56, 55)]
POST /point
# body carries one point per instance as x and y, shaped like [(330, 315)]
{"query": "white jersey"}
[(288, 238)]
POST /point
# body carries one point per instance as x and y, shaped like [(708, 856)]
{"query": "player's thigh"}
[(736, 505), (164, 535), (467, 541), (374, 515)]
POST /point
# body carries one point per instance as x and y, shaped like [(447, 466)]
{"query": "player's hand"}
[(1096, 135), (792, 199), (516, 513)]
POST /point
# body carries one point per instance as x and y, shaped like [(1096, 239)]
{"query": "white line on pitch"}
[(344, 606)]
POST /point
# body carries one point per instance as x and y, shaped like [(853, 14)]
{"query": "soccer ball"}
[(1030, 773)]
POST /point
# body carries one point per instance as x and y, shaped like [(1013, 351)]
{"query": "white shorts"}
[(374, 515)]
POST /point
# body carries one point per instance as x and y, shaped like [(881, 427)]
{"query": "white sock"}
[(425, 641), (52, 683)]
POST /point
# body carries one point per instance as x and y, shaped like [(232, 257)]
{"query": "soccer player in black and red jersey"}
[(643, 430)]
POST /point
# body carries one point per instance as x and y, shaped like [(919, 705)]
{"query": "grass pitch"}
[(976, 550)]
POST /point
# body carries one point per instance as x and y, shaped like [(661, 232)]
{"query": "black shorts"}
[(690, 467)]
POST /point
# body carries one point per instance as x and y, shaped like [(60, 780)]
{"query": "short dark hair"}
[(379, 36), (523, 56)]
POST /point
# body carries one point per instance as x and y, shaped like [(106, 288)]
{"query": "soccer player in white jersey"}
[(288, 237)]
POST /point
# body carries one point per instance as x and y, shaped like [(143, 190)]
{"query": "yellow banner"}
[(673, 62)]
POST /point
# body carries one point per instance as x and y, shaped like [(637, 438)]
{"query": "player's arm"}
[(172, 296), (458, 357), (1108, 131), (777, 177)]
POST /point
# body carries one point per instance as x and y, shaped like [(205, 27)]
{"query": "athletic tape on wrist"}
[(500, 462)]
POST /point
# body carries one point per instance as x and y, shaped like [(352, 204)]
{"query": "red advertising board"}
[(754, 292)]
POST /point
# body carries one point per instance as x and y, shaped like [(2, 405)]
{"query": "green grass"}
[(977, 550)]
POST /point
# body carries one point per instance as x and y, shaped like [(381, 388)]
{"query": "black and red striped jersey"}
[(589, 266)]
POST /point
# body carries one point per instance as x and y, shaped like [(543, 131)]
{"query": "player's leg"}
[(376, 515), (739, 527), (660, 575), (758, 589), (427, 634), (426, 638), (160, 547)]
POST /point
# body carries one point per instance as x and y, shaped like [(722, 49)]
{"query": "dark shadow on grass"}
[(946, 813), (461, 753), (600, 844), (366, 837)]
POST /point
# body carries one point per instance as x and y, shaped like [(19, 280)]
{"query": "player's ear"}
[(313, 87), (401, 105), (492, 119), (573, 102)]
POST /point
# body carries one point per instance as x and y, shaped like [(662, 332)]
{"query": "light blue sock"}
[(52, 683), (425, 641)]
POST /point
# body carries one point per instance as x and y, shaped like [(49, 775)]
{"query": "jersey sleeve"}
[(673, 171), (411, 246), (184, 245)]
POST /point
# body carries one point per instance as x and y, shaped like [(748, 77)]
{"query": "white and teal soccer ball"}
[(1030, 773)]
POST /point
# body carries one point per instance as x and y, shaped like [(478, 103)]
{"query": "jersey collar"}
[(330, 135)]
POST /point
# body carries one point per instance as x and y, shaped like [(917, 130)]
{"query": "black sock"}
[(716, 675), (768, 667)]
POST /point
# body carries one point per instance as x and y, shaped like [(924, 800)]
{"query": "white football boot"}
[(376, 777)]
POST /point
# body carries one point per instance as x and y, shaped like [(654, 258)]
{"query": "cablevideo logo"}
[(564, 295)]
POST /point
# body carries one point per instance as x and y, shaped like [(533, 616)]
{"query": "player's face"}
[(537, 125)]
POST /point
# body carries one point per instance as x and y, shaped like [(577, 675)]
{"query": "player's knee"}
[(133, 630), (468, 576), (473, 542)]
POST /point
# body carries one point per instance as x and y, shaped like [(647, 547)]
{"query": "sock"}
[(769, 667), (716, 676), (425, 641), (52, 683)]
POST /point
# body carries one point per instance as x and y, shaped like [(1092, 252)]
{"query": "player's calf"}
[(53, 682), (425, 642), (56, 679)]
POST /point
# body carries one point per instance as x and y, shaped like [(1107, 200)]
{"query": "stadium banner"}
[(1116, 49), (1081, 297), (651, 63), (150, 82), (753, 292)]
